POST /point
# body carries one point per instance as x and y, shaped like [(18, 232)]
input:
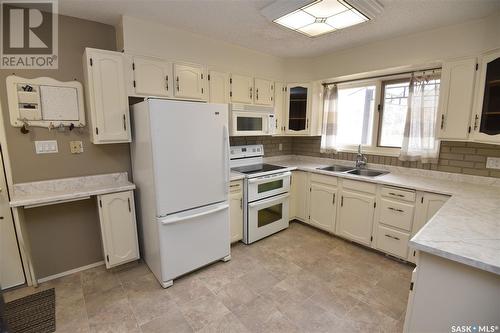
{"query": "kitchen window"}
[(393, 109), (373, 112), (356, 105)]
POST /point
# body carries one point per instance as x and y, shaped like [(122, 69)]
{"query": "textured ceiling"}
[(241, 23)]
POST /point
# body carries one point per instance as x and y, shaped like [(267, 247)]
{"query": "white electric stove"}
[(265, 195)]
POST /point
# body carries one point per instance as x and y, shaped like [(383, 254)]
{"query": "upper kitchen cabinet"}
[(190, 82), (241, 89), (279, 107), (152, 77), (106, 96), (264, 92), (298, 109), (218, 84), (455, 102), (486, 120)]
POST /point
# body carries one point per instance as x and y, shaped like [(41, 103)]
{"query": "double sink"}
[(354, 171)]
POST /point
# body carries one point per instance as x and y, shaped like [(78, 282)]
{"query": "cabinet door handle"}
[(476, 118), (241, 203), (177, 80), (342, 201), (442, 121), (251, 92), (307, 123), (396, 209), (124, 122), (257, 94), (129, 207), (166, 81), (393, 237), (333, 201), (396, 194)]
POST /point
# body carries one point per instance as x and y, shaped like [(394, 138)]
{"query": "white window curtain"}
[(330, 118), (420, 142)]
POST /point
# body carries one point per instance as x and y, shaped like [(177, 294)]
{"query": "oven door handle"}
[(269, 178), (269, 200)]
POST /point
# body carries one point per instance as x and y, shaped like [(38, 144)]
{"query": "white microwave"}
[(248, 120)]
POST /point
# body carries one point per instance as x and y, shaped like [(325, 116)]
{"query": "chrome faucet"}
[(360, 159)]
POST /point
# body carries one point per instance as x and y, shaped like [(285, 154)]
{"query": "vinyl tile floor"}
[(298, 280)]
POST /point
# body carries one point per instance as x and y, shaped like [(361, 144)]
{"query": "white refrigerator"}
[(180, 164)]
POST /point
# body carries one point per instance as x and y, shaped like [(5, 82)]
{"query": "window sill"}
[(379, 151)]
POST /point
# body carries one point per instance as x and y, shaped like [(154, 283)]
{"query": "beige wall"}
[(145, 38), (470, 38), (64, 236)]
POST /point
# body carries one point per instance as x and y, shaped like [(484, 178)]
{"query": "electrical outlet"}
[(493, 162), (76, 147), (280, 147), (46, 147)]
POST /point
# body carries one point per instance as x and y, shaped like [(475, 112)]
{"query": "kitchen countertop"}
[(60, 190), (466, 229), (236, 176)]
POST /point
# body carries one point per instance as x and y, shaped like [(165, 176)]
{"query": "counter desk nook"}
[(115, 198)]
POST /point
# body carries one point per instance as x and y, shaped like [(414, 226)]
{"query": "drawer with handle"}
[(359, 186), (397, 193), (329, 180), (392, 241), (397, 214), (235, 186)]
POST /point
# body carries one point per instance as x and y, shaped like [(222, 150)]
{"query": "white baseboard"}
[(72, 271)]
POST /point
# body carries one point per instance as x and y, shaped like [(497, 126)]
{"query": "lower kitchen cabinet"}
[(427, 206), (300, 191), (394, 220), (356, 216), (392, 241), (118, 227), (322, 206), (347, 208), (236, 210)]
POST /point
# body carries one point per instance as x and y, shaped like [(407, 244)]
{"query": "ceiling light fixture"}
[(321, 17)]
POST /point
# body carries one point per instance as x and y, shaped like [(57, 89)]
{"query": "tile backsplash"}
[(271, 144), (457, 157)]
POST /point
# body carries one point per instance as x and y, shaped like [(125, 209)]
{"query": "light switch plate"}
[(76, 147), (46, 147), (493, 163)]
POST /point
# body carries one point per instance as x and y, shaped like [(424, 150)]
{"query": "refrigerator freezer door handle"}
[(175, 219)]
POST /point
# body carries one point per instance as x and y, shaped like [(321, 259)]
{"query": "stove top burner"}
[(257, 168)]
